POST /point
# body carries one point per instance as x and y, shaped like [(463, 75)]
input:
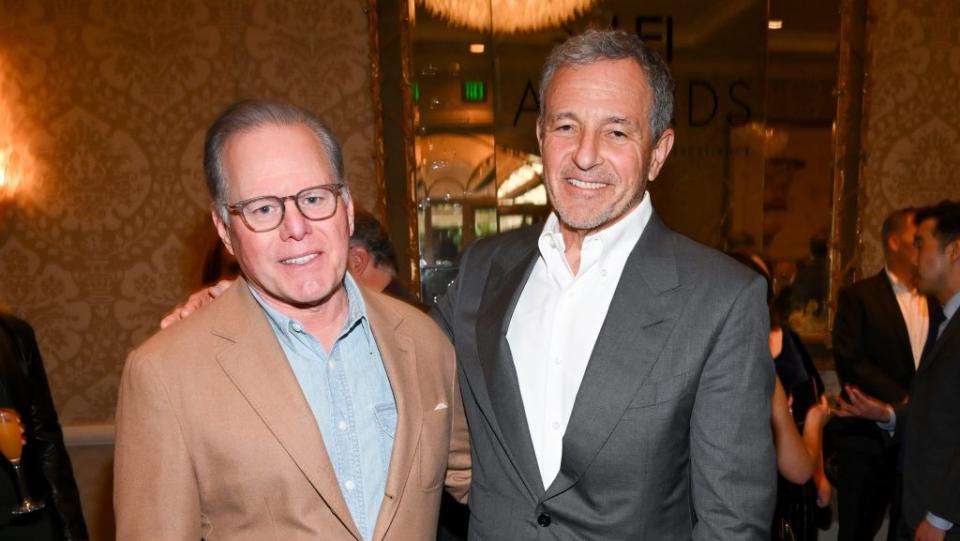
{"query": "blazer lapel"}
[(888, 303), (257, 366), (950, 335), (644, 309), (500, 295), (399, 353)]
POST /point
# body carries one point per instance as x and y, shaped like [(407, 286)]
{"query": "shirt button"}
[(296, 326), (350, 485), (342, 425), (333, 364), (556, 361), (556, 425), (603, 272)]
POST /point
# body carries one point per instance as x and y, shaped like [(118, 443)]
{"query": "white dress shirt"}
[(556, 323), (913, 306)]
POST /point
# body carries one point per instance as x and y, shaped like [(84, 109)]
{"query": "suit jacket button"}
[(543, 519)]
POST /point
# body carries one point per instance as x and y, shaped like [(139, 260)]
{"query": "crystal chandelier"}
[(508, 16)]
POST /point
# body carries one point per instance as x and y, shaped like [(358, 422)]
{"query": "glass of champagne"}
[(11, 447)]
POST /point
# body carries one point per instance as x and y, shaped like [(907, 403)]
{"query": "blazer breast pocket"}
[(434, 448), (658, 392)]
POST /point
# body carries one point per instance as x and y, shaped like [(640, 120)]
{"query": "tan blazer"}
[(215, 437)]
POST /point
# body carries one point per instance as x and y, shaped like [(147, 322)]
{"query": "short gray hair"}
[(596, 45), (247, 115)]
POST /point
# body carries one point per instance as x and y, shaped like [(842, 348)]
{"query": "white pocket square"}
[(440, 406)]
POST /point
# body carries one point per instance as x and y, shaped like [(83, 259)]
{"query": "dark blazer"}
[(871, 349), (23, 386), (931, 434), (670, 434)]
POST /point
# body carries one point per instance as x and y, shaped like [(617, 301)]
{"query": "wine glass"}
[(11, 446)]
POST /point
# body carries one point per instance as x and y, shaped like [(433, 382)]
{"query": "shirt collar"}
[(615, 241), (951, 306), (897, 284), (288, 327)]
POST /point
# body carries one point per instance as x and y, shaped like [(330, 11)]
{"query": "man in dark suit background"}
[(928, 425), (615, 374), (878, 336)]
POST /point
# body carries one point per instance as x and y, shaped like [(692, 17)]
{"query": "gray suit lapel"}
[(644, 309), (500, 295)]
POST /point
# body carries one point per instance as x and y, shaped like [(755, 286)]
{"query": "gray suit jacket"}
[(670, 434)]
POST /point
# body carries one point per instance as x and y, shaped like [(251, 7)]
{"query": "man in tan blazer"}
[(293, 406)]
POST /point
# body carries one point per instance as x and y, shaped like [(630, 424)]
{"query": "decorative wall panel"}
[(912, 139), (105, 104)]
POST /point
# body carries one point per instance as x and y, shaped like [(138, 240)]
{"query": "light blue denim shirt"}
[(352, 401)]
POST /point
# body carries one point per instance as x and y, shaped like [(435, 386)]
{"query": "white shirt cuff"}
[(890, 425), (939, 523)]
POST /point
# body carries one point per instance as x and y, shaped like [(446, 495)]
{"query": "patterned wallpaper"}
[(912, 139), (105, 104)]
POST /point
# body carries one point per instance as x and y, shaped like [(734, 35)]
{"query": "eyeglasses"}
[(262, 214)]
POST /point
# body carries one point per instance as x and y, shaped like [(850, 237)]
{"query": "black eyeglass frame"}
[(237, 208)]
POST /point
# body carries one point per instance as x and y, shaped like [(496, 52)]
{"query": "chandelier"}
[(507, 16)]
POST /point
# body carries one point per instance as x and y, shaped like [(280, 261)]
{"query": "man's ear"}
[(893, 243), (357, 260), (540, 134), (952, 251), (659, 154), (222, 230)]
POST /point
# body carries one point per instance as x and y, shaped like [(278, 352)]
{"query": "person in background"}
[(24, 388), (800, 411), (928, 423), (881, 325), (372, 260)]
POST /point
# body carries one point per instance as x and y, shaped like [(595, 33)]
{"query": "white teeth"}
[(298, 260), (586, 185)]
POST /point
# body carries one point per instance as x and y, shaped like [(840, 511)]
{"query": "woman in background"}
[(800, 411), (49, 474)]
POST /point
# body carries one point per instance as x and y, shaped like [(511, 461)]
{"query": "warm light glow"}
[(507, 16), (15, 158), (775, 24), (477, 48)]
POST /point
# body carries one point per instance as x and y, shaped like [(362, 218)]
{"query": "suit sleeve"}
[(853, 365), (48, 436), (156, 495), (458, 460), (733, 463)]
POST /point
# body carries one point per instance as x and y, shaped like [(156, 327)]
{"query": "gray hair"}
[(596, 45), (247, 115)]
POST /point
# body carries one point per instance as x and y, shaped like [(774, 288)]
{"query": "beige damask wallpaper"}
[(103, 107), (912, 137)]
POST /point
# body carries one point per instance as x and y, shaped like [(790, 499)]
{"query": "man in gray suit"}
[(616, 375)]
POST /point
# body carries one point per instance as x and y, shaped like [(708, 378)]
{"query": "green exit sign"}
[(474, 91)]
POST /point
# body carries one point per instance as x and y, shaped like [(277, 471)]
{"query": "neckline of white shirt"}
[(611, 244)]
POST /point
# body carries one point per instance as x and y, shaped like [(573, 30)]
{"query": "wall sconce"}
[(10, 174)]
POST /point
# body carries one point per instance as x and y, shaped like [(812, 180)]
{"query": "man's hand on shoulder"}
[(194, 302)]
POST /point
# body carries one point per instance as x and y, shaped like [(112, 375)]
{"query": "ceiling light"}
[(507, 16), (775, 24), (477, 48)]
